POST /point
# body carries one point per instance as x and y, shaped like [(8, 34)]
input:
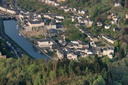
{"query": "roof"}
[(44, 40), (108, 37), (52, 31), (35, 22)]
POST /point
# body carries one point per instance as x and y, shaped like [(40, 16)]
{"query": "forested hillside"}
[(86, 71), (39, 72)]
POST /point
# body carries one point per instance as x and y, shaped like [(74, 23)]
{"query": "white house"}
[(109, 39), (56, 4), (113, 22), (116, 29), (117, 4), (107, 26), (74, 9), (109, 53), (58, 20), (115, 18), (35, 24), (7, 10), (66, 10), (83, 54), (59, 17), (89, 23), (126, 16), (99, 24), (105, 51), (71, 56), (44, 43), (61, 0), (59, 54), (92, 44)]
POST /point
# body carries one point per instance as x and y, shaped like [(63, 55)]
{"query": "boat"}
[(19, 34), (17, 26)]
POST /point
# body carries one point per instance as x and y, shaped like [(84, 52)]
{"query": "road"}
[(17, 52)]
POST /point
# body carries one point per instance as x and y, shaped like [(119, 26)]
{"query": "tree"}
[(99, 81), (52, 75)]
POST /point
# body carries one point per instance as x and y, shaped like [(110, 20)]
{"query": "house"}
[(117, 4), (45, 43), (52, 25), (113, 22), (23, 17), (88, 23), (49, 16), (112, 16), (60, 54), (7, 10), (116, 29), (27, 27), (66, 10), (59, 17), (62, 7), (81, 12), (115, 18), (92, 44), (73, 18), (87, 16), (61, 1), (99, 24), (83, 54), (105, 51), (74, 9), (72, 56), (56, 4), (60, 27), (109, 39), (52, 32), (126, 16), (62, 42), (77, 44), (71, 9), (58, 20), (35, 23), (107, 26)]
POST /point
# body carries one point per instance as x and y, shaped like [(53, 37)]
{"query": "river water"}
[(12, 32)]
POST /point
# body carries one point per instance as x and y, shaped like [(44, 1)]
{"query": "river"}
[(3, 1), (13, 33)]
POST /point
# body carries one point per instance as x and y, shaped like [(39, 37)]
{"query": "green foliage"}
[(119, 71), (26, 71), (4, 49), (99, 81), (75, 34)]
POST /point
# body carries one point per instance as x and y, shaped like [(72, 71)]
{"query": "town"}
[(49, 35)]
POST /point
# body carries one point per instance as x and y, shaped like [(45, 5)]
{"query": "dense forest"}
[(86, 71)]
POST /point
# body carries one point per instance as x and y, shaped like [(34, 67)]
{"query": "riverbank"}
[(38, 49), (3, 32), (13, 33)]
